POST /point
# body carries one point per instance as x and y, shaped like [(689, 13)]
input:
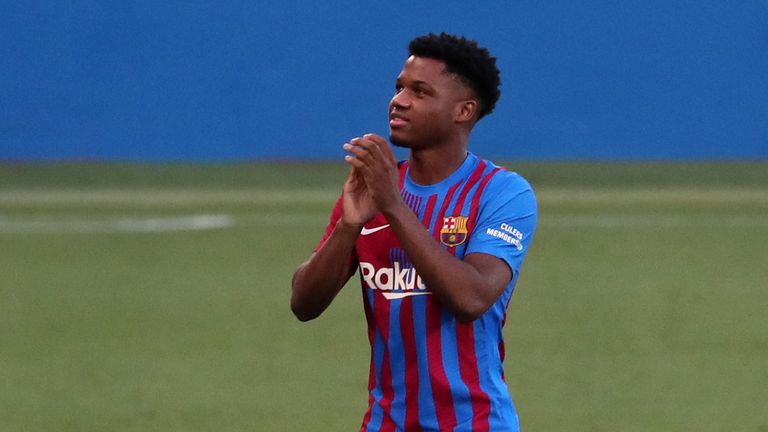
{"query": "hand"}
[(357, 205), (373, 161)]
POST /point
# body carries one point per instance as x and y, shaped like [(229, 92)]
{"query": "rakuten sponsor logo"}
[(394, 282)]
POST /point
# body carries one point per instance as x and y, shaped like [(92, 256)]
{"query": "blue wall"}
[(245, 80)]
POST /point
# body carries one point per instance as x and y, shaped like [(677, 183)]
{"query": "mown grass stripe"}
[(52, 225), (546, 196), (143, 224)]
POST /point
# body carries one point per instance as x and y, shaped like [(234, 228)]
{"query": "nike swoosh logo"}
[(368, 231)]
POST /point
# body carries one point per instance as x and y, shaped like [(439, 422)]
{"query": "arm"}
[(317, 281), (469, 287)]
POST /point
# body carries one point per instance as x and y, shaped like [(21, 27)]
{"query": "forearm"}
[(457, 284), (317, 281)]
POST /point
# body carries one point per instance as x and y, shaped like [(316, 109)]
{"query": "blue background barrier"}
[(243, 80)]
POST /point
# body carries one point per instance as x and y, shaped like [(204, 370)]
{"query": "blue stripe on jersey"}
[(377, 357), (396, 362), (427, 413)]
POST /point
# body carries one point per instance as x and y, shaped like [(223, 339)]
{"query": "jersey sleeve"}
[(335, 216), (334, 219), (506, 220)]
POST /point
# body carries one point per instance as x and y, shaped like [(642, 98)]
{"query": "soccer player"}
[(438, 240)]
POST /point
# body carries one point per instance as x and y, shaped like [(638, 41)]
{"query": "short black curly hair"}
[(473, 65)]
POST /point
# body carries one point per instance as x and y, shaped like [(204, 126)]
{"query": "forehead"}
[(424, 69)]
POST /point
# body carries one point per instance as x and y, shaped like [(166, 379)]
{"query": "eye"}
[(398, 88), (419, 92)]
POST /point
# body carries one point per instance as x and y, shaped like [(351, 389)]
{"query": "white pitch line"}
[(117, 225), (166, 197)]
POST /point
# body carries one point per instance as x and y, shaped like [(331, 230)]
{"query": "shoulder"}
[(505, 186)]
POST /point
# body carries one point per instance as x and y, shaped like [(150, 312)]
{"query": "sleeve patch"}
[(507, 233)]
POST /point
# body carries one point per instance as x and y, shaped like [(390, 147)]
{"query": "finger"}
[(357, 151), (383, 144), (383, 154), (356, 142), (365, 143), (375, 138), (372, 147), (378, 149), (360, 142), (358, 166), (376, 152)]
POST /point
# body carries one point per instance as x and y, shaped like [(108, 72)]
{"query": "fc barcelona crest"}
[(454, 231)]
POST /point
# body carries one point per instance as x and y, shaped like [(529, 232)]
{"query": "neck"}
[(432, 165)]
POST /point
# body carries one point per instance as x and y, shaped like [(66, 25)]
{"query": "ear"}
[(466, 111)]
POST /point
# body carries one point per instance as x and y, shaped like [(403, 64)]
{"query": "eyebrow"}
[(399, 81)]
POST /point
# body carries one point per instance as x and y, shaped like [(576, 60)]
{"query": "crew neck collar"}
[(464, 170)]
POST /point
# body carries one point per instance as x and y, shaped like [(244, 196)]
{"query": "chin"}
[(399, 141)]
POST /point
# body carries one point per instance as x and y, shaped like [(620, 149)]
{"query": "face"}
[(423, 112)]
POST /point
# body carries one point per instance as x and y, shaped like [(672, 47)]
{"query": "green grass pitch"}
[(155, 298)]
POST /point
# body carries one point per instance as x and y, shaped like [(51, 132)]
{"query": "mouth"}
[(397, 120)]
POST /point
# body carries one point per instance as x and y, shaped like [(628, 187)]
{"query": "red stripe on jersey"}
[(411, 365), (475, 206), (481, 404), (443, 208), (371, 384), (388, 394), (441, 388), (402, 170), (428, 210), (467, 187), (502, 349)]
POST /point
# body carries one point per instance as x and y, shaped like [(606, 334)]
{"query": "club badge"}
[(454, 231)]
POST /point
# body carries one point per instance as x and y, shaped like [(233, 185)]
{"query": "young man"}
[(439, 240)]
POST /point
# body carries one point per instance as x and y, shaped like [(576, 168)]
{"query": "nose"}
[(400, 101)]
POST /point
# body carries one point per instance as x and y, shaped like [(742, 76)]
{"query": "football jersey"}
[(428, 370)]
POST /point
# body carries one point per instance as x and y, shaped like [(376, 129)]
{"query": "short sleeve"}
[(335, 216), (506, 220), (334, 219)]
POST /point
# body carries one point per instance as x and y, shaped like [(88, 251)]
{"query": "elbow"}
[(467, 317), (469, 311), (301, 312), (301, 307)]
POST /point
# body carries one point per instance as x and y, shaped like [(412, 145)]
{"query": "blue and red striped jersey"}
[(429, 371)]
